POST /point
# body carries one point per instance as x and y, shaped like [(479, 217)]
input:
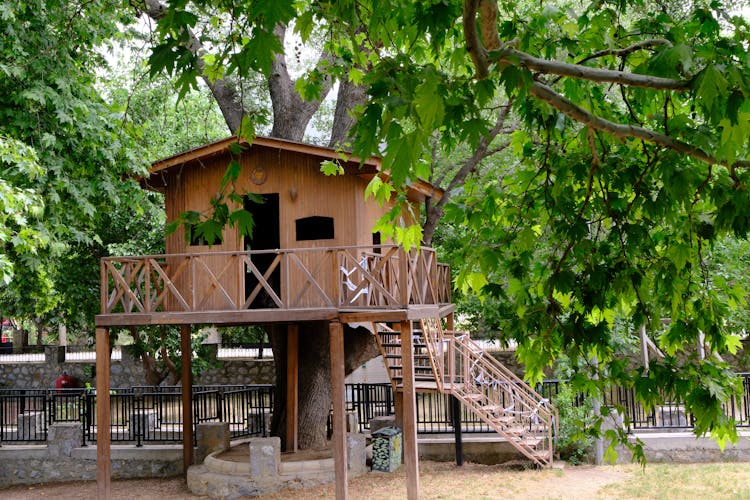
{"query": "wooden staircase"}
[(452, 363)]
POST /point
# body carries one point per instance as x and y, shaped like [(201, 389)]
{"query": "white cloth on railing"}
[(350, 284)]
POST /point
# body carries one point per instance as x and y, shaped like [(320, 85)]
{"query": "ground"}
[(472, 481), (578, 482)]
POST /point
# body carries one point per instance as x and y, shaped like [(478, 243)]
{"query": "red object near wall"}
[(65, 381)]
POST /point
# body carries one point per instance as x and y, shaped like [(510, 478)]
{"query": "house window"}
[(314, 228)]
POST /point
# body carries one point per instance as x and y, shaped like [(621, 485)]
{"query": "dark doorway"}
[(266, 236)]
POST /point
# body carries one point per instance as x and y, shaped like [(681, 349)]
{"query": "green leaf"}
[(330, 167), (243, 220), (429, 102), (231, 174)]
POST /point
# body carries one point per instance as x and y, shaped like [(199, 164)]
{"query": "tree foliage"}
[(63, 154), (628, 159), (598, 147)]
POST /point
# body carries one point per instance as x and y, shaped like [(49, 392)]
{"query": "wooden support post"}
[(456, 417), (339, 409), (292, 387), (103, 417), (187, 397), (411, 453), (398, 408)]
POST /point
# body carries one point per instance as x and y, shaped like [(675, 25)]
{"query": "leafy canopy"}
[(628, 160)]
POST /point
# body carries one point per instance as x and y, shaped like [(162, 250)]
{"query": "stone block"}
[(268, 418), (671, 416), (63, 438), (352, 424), (378, 423), (144, 422), (356, 453), (31, 425), (265, 457), (211, 437)]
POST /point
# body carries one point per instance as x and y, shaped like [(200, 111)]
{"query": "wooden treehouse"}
[(312, 257)]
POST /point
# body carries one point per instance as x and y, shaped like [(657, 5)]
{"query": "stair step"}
[(417, 345), (421, 385), (400, 367), (529, 442), (474, 397), (398, 356), (492, 408), (504, 420), (417, 376), (544, 455), (515, 431)]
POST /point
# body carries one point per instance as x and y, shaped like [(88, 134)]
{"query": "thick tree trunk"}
[(314, 377), (349, 96), (291, 113)]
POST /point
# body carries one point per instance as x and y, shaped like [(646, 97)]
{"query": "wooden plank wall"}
[(303, 192)]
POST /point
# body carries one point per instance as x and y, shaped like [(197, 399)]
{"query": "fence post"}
[(137, 409)]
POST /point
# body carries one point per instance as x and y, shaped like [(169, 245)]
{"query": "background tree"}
[(630, 159)]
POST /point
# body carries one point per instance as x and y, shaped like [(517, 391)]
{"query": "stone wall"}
[(42, 375), (237, 371), (63, 459), (127, 372)]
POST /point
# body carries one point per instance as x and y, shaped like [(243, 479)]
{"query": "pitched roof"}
[(367, 168)]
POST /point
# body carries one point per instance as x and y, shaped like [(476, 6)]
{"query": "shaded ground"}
[(438, 481)]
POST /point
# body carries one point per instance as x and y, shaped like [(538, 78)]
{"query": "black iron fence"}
[(138, 414), (146, 414)]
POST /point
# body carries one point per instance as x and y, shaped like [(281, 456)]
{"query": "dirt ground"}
[(438, 480)]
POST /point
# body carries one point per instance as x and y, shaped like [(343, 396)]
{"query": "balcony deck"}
[(353, 284)]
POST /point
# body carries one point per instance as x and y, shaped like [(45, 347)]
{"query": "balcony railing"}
[(382, 277)]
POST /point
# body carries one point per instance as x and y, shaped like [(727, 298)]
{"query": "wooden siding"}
[(303, 192)]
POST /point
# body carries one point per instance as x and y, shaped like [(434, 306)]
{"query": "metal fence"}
[(146, 414), (138, 414)]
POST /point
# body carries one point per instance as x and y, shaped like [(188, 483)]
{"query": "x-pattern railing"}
[(383, 277)]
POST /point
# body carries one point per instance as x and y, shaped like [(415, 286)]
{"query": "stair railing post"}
[(452, 360), (404, 278), (456, 417)]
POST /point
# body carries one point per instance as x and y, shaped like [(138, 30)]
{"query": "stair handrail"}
[(530, 396), (536, 411), (432, 331)]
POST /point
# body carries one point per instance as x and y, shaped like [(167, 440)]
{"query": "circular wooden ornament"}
[(258, 175)]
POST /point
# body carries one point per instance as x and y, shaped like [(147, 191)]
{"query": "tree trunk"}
[(314, 377), (349, 96)]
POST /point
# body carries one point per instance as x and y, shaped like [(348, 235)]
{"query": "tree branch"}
[(621, 131), (474, 46), (626, 51), (435, 211), (225, 94), (513, 56)]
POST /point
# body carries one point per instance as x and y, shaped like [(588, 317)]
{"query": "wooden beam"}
[(339, 409), (373, 316), (411, 453), (218, 317), (103, 418), (186, 349), (292, 387)]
